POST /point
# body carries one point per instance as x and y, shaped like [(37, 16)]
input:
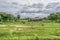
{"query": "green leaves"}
[(5, 17), (54, 16)]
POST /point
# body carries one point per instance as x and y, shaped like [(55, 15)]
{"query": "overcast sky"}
[(31, 1)]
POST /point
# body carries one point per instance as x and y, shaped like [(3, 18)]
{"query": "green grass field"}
[(30, 31)]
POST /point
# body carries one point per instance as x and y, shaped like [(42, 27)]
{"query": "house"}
[(35, 19)]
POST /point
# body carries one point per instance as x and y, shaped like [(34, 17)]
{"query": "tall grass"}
[(43, 31)]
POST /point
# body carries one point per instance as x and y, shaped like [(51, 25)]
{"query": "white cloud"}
[(31, 1)]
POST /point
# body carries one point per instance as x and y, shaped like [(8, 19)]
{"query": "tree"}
[(54, 16), (5, 17), (18, 17)]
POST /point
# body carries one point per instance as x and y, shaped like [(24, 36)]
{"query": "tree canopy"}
[(54, 16), (6, 17)]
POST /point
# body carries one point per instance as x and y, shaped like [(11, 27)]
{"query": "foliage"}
[(6, 17), (18, 16), (54, 17)]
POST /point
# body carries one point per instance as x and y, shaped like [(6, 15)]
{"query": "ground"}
[(31, 31)]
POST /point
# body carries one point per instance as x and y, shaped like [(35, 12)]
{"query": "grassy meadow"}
[(15, 28), (29, 30)]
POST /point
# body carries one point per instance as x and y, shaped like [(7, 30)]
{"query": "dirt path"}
[(13, 25)]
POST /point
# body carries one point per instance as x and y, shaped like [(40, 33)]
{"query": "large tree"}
[(54, 16)]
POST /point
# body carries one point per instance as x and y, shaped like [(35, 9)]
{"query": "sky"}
[(31, 1)]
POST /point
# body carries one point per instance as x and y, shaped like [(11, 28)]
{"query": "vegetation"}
[(6, 17), (54, 17), (15, 28)]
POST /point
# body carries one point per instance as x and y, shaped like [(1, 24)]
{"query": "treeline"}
[(54, 17), (8, 17)]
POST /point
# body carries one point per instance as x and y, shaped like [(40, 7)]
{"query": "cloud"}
[(31, 1)]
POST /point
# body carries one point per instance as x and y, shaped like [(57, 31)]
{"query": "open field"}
[(30, 31)]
